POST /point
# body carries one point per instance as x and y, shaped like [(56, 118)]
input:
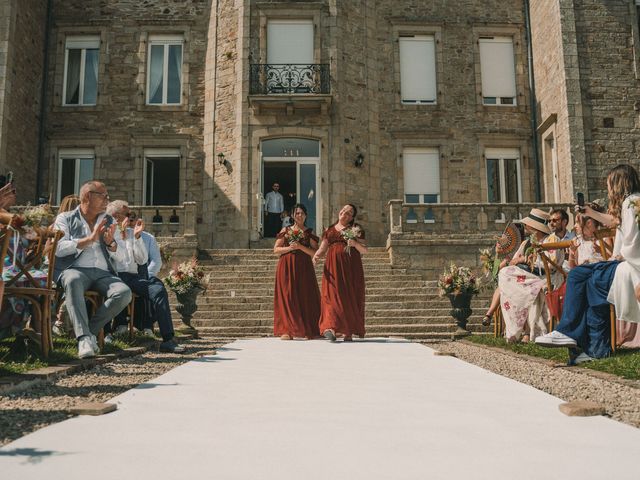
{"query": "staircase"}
[(239, 299)]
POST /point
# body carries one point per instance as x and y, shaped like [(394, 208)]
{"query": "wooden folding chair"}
[(543, 251), (5, 237), (40, 298), (606, 237), (498, 323)]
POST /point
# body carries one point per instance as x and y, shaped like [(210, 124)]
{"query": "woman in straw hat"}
[(584, 326), (506, 246), (521, 284)]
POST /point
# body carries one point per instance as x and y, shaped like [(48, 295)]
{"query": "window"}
[(503, 176), (164, 79), (75, 167), (81, 71), (497, 70), (418, 69), (290, 42), (421, 175), (162, 176)]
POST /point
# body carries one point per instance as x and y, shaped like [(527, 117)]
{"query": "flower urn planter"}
[(187, 305), (461, 310)]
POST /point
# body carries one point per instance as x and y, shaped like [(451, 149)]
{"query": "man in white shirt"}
[(151, 288), (273, 207), (85, 259)]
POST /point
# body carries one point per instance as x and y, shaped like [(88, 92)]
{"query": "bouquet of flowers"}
[(350, 234), (32, 220), (456, 280), (490, 264), (294, 234), (186, 276)]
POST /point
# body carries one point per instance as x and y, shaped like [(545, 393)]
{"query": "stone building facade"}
[(587, 80), (211, 101), (22, 59)]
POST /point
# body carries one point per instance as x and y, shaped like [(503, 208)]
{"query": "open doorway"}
[(282, 174)]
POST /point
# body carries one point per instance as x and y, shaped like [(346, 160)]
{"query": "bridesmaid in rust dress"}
[(296, 302), (343, 277)]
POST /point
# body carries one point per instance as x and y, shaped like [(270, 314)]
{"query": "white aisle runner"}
[(376, 409)]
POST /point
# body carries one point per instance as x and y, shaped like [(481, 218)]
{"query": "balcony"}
[(289, 87)]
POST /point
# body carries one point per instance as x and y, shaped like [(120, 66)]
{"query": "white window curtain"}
[(164, 78), (497, 67), (81, 70), (418, 69), (503, 175), (290, 42), (421, 172)]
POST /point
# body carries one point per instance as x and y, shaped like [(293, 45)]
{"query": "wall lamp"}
[(359, 160), (222, 159)]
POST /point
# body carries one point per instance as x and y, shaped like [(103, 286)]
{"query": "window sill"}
[(163, 108)]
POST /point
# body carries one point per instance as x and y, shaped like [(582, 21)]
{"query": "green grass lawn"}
[(625, 363), (23, 358)]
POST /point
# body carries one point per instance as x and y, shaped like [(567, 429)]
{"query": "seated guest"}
[(584, 325), (558, 223), (585, 248), (152, 288), (85, 261), (522, 284)]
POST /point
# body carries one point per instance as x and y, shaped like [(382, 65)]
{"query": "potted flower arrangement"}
[(459, 284), (187, 280)]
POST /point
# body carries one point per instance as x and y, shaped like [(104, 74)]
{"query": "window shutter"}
[(418, 69), (421, 171), (497, 67), (290, 41)]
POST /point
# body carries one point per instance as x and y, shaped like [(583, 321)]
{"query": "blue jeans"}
[(153, 290), (585, 315)]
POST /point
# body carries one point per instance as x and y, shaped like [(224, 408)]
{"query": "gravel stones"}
[(46, 403), (622, 402)]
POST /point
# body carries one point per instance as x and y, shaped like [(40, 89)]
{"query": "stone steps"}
[(239, 298)]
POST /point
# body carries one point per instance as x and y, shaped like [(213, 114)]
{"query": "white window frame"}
[(166, 41), (499, 100), (76, 154), (501, 155), (157, 153), (82, 43), (421, 201), (406, 69)]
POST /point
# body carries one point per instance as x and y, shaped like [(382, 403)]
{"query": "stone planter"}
[(188, 306), (461, 310)]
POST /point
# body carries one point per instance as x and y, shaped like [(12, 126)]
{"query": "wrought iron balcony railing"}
[(267, 79)]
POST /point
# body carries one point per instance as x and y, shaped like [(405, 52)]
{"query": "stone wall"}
[(586, 74), (121, 126), (22, 27)]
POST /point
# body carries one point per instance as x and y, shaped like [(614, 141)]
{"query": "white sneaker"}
[(555, 339), (108, 339), (94, 343), (582, 358), (147, 332), (121, 330), (85, 348)]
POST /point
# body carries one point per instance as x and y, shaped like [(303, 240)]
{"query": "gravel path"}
[(24, 412), (622, 402)]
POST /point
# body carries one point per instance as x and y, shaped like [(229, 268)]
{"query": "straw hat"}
[(509, 241), (538, 220)]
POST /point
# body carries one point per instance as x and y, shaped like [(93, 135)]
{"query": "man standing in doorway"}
[(273, 206)]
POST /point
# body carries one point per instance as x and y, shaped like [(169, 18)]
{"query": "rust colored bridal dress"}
[(296, 301), (342, 287)]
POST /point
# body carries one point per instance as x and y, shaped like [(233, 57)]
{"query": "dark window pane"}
[(489, 100), (72, 94), (174, 74), (506, 100), (430, 198), (166, 181), (156, 73), (493, 180), (91, 77), (412, 198), (511, 180), (67, 177)]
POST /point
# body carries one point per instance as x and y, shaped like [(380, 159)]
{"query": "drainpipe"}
[(533, 101), (43, 97)]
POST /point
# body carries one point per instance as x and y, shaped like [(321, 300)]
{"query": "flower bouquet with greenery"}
[(490, 265), (186, 277), (351, 233), (457, 280), (294, 234)]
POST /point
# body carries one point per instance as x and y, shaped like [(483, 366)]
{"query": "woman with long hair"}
[(296, 300), (343, 277), (584, 326)]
